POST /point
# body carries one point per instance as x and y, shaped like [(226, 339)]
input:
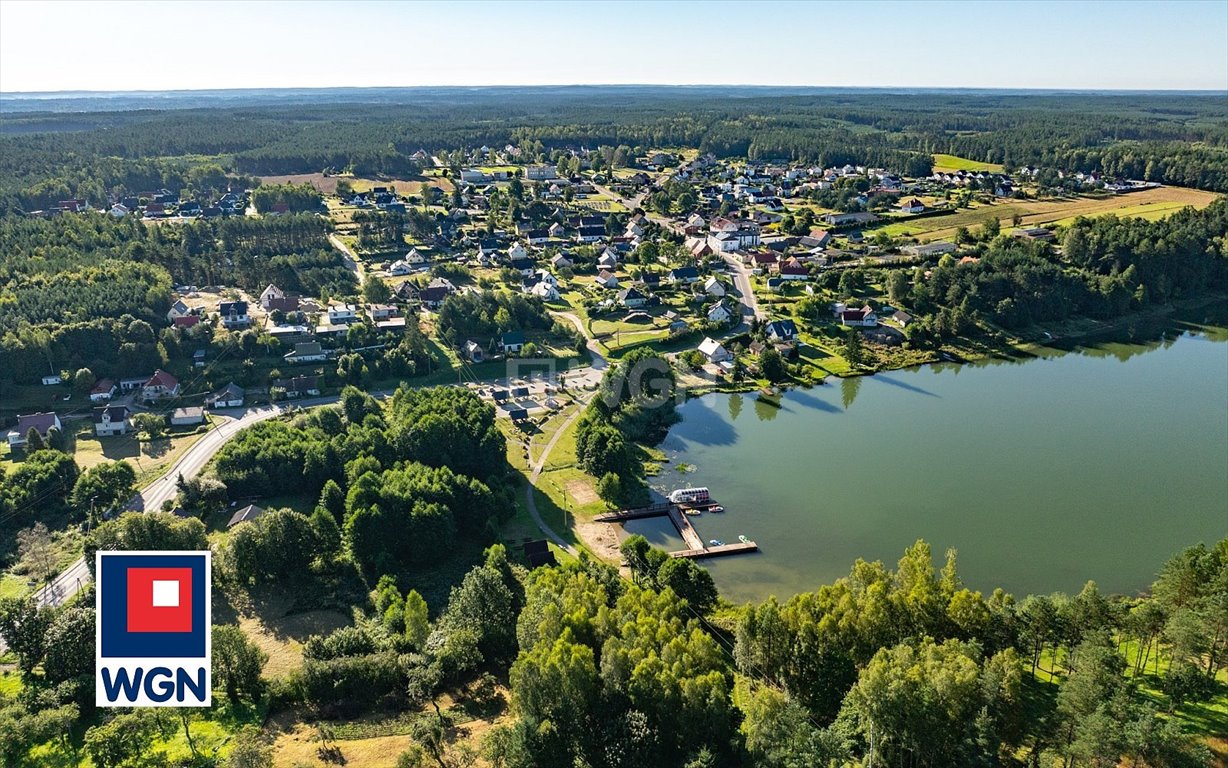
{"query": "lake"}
[(1093, 463)]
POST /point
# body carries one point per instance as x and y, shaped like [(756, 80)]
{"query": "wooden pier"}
[(695, 545)]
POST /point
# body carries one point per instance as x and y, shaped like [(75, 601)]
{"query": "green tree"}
[(610, 489), (772, 365), (104, 487), (121, 740), (690, 582), (417, 621), (375, 290), (237, 663)]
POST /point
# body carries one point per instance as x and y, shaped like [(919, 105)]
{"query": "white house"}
[(545, 291), (52, 379), (307, 352), (182, 417), (559, 261), (712, 350), (234, 314), (160, 385), (606, 279), (178, 309), (400, 267), (341, 314), (517, 252), (103, 391), (119, 210), (112, 420), (270, 294), (718, 313), (473, 352), (714, 287), (912, 206), (607, 260), (229, 396)]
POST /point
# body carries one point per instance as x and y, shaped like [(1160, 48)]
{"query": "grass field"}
[(328, 184), (954, 163), (1151, 204)]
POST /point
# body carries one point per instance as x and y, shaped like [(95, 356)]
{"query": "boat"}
[(743, 539), (692, 512), (690, 496), (716, 543), (716, 508)]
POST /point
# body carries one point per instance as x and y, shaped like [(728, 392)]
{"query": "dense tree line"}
[(287, 198)]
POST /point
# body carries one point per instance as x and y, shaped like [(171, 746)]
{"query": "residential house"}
[(103, 391), (511, 342), (760, 261), (524, 266), (198, 358), (517, 252), (559, 261), (682, 276), (781, 331), (185, 322), (472, 351), (112, 420), (912, 206), (537, 236), (632, 298), (775, 284), (590, 234), (380, 312), (119, 210), (544, 290), (52, 379), (177, 310), (606, 279), (817, 238), (342, 314), (607, 260), (160, 386), (712, 350), (792, 269), (902, 317), (307, 352), (229, 396), (43, 423), (714, 287), (234, 314), (864, 317), (182, 417), (557, 230), (245, 515), (718, 313), (298, 386), (270, 294)]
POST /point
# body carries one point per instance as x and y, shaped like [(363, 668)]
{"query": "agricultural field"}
[(328, 184), (1150, 204), (950, 163)]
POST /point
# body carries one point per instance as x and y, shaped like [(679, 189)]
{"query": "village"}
[(712, 262)]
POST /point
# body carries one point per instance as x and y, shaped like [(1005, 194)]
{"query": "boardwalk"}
[(695, 545)]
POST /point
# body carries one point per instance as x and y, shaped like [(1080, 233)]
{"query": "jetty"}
[(696, 548)]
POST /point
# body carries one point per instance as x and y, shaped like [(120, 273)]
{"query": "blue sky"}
[(49, 46)]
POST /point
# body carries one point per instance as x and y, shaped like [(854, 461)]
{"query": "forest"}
[(45, 157)]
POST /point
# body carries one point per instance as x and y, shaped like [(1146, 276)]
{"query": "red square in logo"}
[(159, 599)]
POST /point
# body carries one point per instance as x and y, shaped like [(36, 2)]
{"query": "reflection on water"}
[(1094, 462)]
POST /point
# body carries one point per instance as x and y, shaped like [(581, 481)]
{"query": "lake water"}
[(1097, 463)]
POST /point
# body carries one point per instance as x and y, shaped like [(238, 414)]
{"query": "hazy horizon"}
[(1081, 46)]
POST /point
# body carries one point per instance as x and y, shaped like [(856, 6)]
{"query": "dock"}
[(696, 548)]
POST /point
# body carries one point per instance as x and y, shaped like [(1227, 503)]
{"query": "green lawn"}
[(954, 163)]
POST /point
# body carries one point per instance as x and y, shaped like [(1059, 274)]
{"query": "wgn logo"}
[(153, 641)]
